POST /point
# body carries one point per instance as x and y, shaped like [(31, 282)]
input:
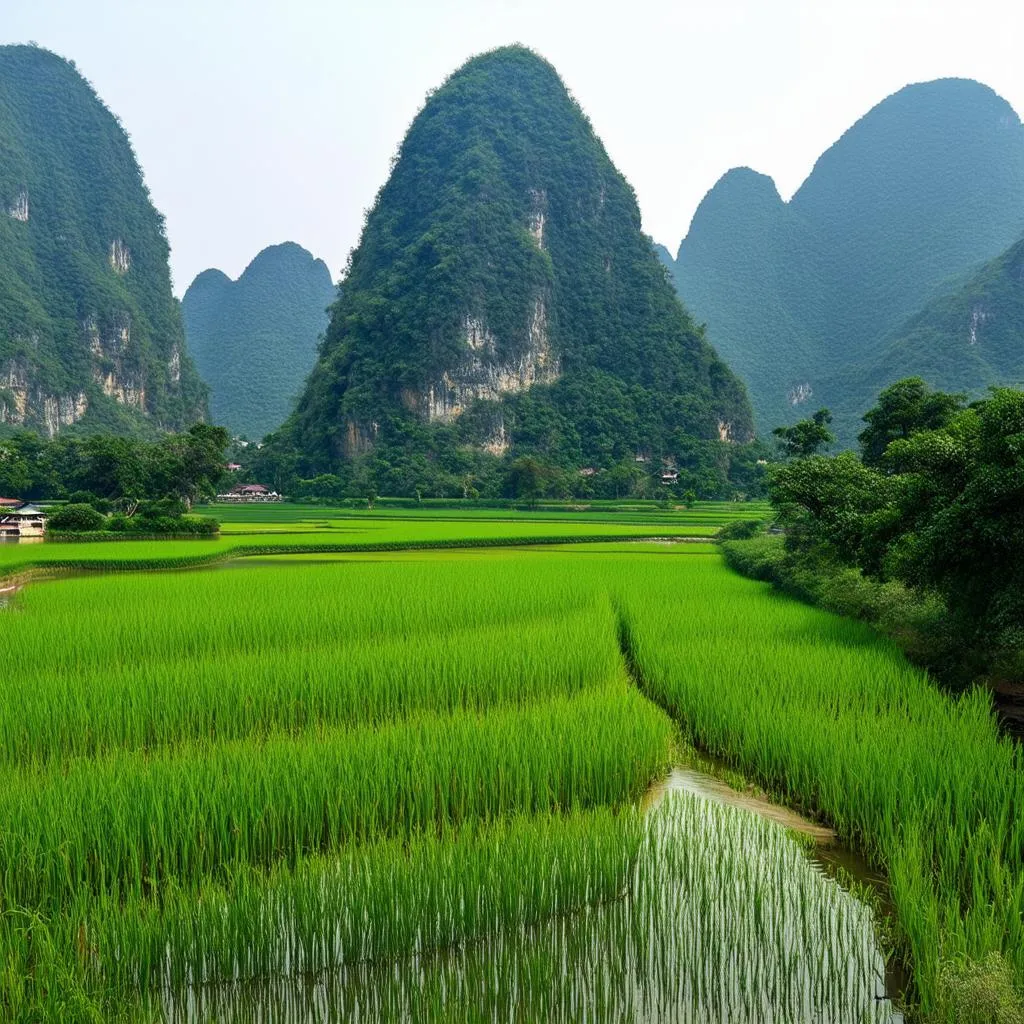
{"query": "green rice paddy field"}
[(415, 785), (263, 529)]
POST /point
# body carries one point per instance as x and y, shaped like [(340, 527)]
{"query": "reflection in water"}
[(828, 853), (725, 920)]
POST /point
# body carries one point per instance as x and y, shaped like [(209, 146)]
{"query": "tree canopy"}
[(939, 509), (185, 467), (903, 409), (805, 438)]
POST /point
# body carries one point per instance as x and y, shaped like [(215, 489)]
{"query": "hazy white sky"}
[(259, 121)]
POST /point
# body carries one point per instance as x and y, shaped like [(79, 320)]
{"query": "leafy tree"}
[(805, 438), (15, 474), (903, 409), (837, 506), (623, 478), (276, 464), (526, 478), (190, 465), (967, 509), (942, 514)]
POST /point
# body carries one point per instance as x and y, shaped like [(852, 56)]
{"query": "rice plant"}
[(126, 824), (832, 719), (721, 917), (195, 748)]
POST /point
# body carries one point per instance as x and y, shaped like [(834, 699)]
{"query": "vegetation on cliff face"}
[(800, 297), (90, 332), (503, 301), (254, 340)]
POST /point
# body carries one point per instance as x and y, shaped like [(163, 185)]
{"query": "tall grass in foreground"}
[(835, 721), (144, 660), (213, 726), (385, 901), (235, 692), (126, 825)]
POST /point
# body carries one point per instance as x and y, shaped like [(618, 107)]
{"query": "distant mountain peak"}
[(925, 186), (254, 339)]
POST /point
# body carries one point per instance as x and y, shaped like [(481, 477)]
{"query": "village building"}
[(19, 521), (249, 493)]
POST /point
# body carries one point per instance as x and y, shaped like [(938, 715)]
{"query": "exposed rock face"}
[(799, 394), (497, 442), (19, 208), (174, 365), (115, 372), (120, 257), (359, 438), (538, 214), (23, 404), (484, 376), (113, 366), (978, 318)]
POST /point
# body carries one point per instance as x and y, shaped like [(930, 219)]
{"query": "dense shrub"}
[(979, 993), (742, 529), (77, 518)]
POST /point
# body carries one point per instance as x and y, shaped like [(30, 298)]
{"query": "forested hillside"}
[(503, 302), (254, 339), (964, 341), (90, 332), (800, 296)]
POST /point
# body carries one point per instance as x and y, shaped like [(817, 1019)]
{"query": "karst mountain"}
[(503, 300), (254, 340), (803, 297), (90, 333), (965, 341)]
